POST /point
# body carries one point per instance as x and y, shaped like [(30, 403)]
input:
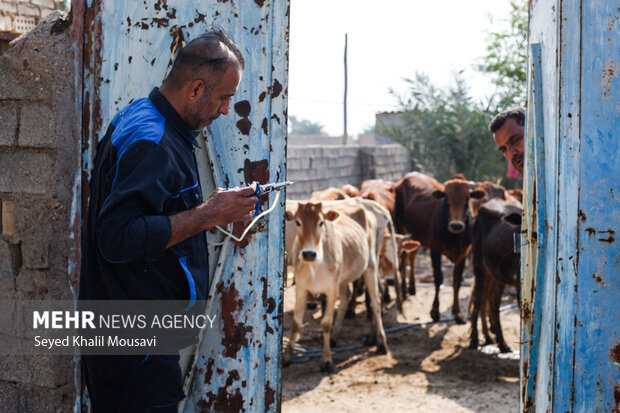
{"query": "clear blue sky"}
[(388, 40)]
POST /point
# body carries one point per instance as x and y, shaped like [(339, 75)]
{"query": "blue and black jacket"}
[(145, 170)]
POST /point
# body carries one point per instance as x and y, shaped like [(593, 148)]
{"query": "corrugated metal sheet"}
[(126, 51), (571, 285)]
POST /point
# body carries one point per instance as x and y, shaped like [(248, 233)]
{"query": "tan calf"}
[(406, 257), (332, 249)]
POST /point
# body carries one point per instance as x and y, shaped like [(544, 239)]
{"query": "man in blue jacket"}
[(145, 236)]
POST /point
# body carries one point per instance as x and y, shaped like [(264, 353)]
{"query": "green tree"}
[(445, 130), (305, 127), (506, 57)]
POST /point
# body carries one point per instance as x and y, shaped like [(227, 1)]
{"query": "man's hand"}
[(228, 206), (221, 208)]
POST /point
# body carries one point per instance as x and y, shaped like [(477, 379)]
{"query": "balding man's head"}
[(206, 57), (204, 78)]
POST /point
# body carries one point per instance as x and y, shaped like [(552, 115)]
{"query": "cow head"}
[(456, 195), (491, 190), (310, 222)]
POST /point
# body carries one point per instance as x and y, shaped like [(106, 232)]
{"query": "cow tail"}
[(397, 274)]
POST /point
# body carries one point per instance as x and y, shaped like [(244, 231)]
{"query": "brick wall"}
[(39, 152), (318, 167)]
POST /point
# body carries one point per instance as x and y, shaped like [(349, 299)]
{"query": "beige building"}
[(19, 16)]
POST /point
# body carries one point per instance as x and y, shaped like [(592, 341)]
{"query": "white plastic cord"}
[(259, 216)]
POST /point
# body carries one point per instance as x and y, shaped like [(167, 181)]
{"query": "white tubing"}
[(262, 214)]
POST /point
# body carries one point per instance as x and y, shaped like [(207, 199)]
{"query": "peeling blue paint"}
[(571, 288)]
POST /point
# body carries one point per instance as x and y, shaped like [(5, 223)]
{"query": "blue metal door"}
[(571, 284)]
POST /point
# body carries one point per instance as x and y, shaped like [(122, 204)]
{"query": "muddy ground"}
[(430, 368)]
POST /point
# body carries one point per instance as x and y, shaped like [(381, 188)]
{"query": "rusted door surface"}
[(571, 285), (127, 48)]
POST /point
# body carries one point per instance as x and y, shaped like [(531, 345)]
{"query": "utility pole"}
[(345, 136)]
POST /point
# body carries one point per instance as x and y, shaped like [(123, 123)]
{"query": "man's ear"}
[(195, 89), (331, 215)]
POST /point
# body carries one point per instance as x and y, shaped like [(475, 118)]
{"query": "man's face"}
[(509, 140), (215, 102)]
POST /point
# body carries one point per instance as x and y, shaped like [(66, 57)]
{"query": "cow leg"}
[(384, 290), (327, 364), (321, 300), (298, 318), (438, 277), (357, 286), (484, 317), (344, 303), (476, 299), (411, 259), (377, 333), (496, 327), (402, 263), (457, 275)]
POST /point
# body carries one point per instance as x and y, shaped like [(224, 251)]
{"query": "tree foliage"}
[(305, 127), (506, 57), (445, 130)]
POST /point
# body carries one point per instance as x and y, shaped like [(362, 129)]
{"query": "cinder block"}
[(11, 83), (40, 285), (7, 264), (36, 126), (20, 398), (26, 172), (45, 371), (24, 285), (8, 7), (45, 4), (292, 163), (26, 9), (8, 120), (36, 219), (6, 23)]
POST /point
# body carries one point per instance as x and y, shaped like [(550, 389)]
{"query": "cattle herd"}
[(343, 241)]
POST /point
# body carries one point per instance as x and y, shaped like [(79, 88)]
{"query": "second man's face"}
[(509, 140)]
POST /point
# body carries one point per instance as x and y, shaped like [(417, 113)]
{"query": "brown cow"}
[(350, 190), (329, 194), (516, 194), (332, 249), (492, 191), (381, 191), (438, 216), (495, 263)]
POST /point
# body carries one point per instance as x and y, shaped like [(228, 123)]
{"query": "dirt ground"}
[(430, 368)]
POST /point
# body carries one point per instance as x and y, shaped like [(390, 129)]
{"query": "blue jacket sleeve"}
[(131, 225)]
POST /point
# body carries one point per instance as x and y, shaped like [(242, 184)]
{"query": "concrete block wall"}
[(39, 153), (318, 167)]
